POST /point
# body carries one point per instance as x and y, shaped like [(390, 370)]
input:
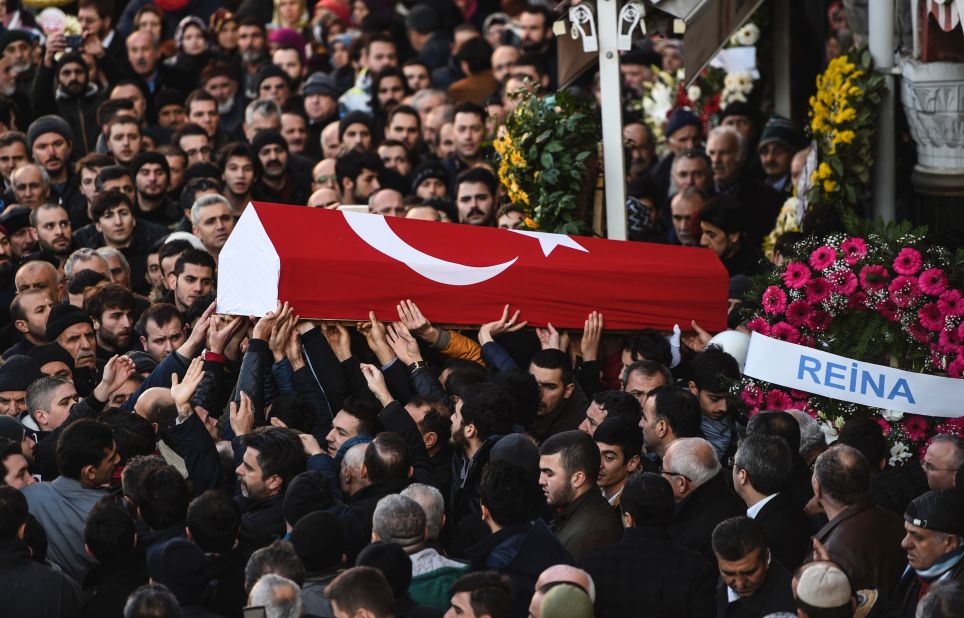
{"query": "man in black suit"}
[(761, 474), (782, 424), (646, 573)]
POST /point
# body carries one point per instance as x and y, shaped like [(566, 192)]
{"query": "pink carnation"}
[(819, 320), (822, 257), (888, 310), (752, 395), (951, 303), (774, 300), (798, 312), (931, 318), (873, 277), (949, 340), (785, 332), (817, 290), (904, 291), (759, 325), (908, 261), (796, 275), (854, 249), (956, 368), (932, 281), (915, 427), (777, 400), (843, 282)]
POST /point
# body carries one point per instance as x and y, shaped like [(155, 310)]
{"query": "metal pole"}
[(610, 84), (781, 57), (881, 39)]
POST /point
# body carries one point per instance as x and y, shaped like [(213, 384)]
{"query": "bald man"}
[(560, 573), (42, 275), (156, 406)]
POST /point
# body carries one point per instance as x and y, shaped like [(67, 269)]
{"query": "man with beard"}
[(114, 219), (357, 174), (321, 107), (17, 46), (475, 197), (51, 140), (192, 277), (96, 16), (63, 87), (23, 237), (54, 234), (239, 169), (278, 184), (152, 176), (252, 51), (219, 82), (535, 25), (112, 308), (202, 110), (29, 311), (212, 222), (73, 329), (13, 154), (273, 84), (561, 408), (124, 138)]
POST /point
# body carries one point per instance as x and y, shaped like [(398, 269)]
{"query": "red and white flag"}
[(340, 265)]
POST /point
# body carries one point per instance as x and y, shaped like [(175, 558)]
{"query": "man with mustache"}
[(277, 183), (219, 82), (63, 87), (475, 197), (112, 309), (51, 141), (54, 233), (144, 56), (18, 46), (252, 48), (73, 329)]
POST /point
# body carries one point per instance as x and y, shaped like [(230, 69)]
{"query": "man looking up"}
[(558, 409), (620, 447)]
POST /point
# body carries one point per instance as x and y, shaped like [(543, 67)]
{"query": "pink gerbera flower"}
[(857, 301), (777, 400), (796, 275), (949, 340), (908, 261), (752, 395), (956, 368), (843, 282), (918, 332), (888, 310), (819, 320), (774, 300), (932, 281), (951, 303), (915, 427), (759, 325), (854, 249), (785, 332), (931, 317), (904, 291), (798, 312), (873, 277), (817, 290), (822, 257)]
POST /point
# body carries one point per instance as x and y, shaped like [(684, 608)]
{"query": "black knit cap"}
[(18, 372), (15, 219), (51, 353), (308, 492), (271, 70), (319, 541), (11, 429), (70, 58), (941, 510), (267, 138), (150, 156), (430, 169), (168, 96), (62, 317), (355, 118), (741, 108)]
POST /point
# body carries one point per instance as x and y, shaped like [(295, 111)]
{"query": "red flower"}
[(796, 275), (931, 318), (759, 325), (843, 282), (956, 368), (932, 281), (785, 332), (884, 425), (857, 301), (873, 277), (951, 303), (908, 261), (817, 290), (819, 321), (915, 427), (774, 300), (854, 249), (949, 340), (822, 257), (904, 291), (918, 332), (752, 395), (798, 312), (777, 400), (888, 309)]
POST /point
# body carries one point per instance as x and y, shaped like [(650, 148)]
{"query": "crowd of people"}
[(161, 459)]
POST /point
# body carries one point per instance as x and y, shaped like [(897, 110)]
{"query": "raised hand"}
[(411, 316), (220, 331), (281, 332), (697, 340), (262, 328), (310, 444), (592, 333), (376, 334), (183, 389), (242, 416), (117, 370), (549, 338), (339, 340), (376, 383), (199, 334), (293, 351), (505, 324), (404, 345)]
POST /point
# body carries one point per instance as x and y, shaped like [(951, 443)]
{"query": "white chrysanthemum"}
[(899, 453), (747, 35), (891, 415), (694, 93), (743, 81), (729, 82), (731, 96)]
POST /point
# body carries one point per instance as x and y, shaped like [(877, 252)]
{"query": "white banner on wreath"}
[(837, 377)]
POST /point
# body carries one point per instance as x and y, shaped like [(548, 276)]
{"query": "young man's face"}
[(239, 175), (469, 131), (162, 340), (214, 226), (205, 114), (197, 148), (193, 282), (152, 181), (11, 157), (117, 225), (124, 141), (475, 203), (115, 329)]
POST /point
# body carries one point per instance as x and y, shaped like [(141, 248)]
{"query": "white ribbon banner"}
[(838, 377)]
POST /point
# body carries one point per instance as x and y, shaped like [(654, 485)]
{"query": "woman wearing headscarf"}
[(193, 48)]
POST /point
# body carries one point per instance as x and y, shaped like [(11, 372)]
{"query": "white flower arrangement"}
[(694, 93), (899, 453), (737, 86), (746, 36)]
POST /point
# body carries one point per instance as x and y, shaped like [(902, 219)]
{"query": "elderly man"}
[(685, 209), (16, 375), (42, 275), (74, 331), (779, 143), (31, 185), (943, 459)]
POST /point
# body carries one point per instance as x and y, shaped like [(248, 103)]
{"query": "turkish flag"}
[(340, 265)]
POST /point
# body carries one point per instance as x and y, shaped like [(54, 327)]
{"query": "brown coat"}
[(474, 88), (864, 539)]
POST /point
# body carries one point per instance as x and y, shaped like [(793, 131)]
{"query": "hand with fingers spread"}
[(242, 416), (376, 334), (117, 371), (199, 334), (220, 331), (410, 315), (505, 324), (592, 333), (262, 328), (404, 345), (697, 340), (339, 340), (376, 383), (549, 338), (183, 389)]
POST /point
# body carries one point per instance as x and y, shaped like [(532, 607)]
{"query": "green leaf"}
[(546, 160)]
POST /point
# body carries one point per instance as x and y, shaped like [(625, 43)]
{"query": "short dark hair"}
[(713, 368), (84, 443), (187, 130), (618, 404), (767, 461), (489, 593), (111, 172), (779, 423), (13, 512), (408, 110), (279, 452), (214, 520), (350, 164), (109, 531), (366, 413), (477, 53), (111, 107), (648, 497), (622, 432), (392, 561), (362, 588), (109, 200), (152, 600), (194, 186), (945, 599), (197, 257), (109, 296), (843, 473), (173, 247), (468, 107), (488, 408), (132, 433), (509, 493), (104, 8), (387, 457), (162, 497), (523, 391), (650, 368), (649, 344), (238, 150), (555, 359), (679, 408), (578, 450), (158, 313), (7, 449), (198, 95), (725, 214), (737, 537), (867, 436), (479, 174), (279, 558)]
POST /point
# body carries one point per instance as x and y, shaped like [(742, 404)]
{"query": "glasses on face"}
[(932, 468), (669, 473)]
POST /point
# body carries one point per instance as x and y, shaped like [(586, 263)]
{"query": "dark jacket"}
[(864, 540), (464, 496), (225, 593), (262, 522), (786, 529), (646, 574), (45, 453), (31, 589), (520, 552), (911, 588), (108, 584), (699, 513), (363, 503), (586, 523), (774, 595), (80, 112), (570, 413), (759, 201), (895, 488)]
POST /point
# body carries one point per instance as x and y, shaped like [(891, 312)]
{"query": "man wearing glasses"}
[(944, 457)]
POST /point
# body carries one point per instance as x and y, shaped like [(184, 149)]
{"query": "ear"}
[(143, 342), (741, 477), (40, 416), (21, 325), (734, 237), (662, 427), (567, 392), (633, 464), (430, 439), (97, 225), (469, 430), (363, 471), (375, 537), (411, 472), (693, 388), (171, 280), (96, 323), (274, 482), (86, 550), (578, 479), (22, 530), (486, 514)]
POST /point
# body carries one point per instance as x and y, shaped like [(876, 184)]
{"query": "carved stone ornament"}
[(933, 98)]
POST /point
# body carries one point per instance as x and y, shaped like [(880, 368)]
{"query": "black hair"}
[(713, 368), (238, 149), (621, 432), (109, 531), (197, 257), (362, 588), (555, 359), (350, 164), (490, 594), (173, 247), (779, 423), (13, 512), (214, 520), (488, 408), (649, 344), (467, 107), (158, 313), (392, 562), (292, 411), (737, 537), (619, 404), (867, 436), (387, 457), (479, 174), (578, 450), (111, 172), (477, 53), (648, 497), (366, 413), (767, 462), (724, 214), (133, 434), (523, 391), (84, 443), (279, 452), (162, 497), (509, 493), (679, 408), (194, 186)]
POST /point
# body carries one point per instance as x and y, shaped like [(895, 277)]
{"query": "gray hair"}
[(400, 520), (280, 597), (44, 176), (724, 131), (109, 252), (354, 457), (432, 503), (279, 558), (811, 435), (261, 107), (40, 392), (154, 600), (81, 255), (204, 201), (695, 459), (956, 442), (943, 600), (767, 461), (419, 98)]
